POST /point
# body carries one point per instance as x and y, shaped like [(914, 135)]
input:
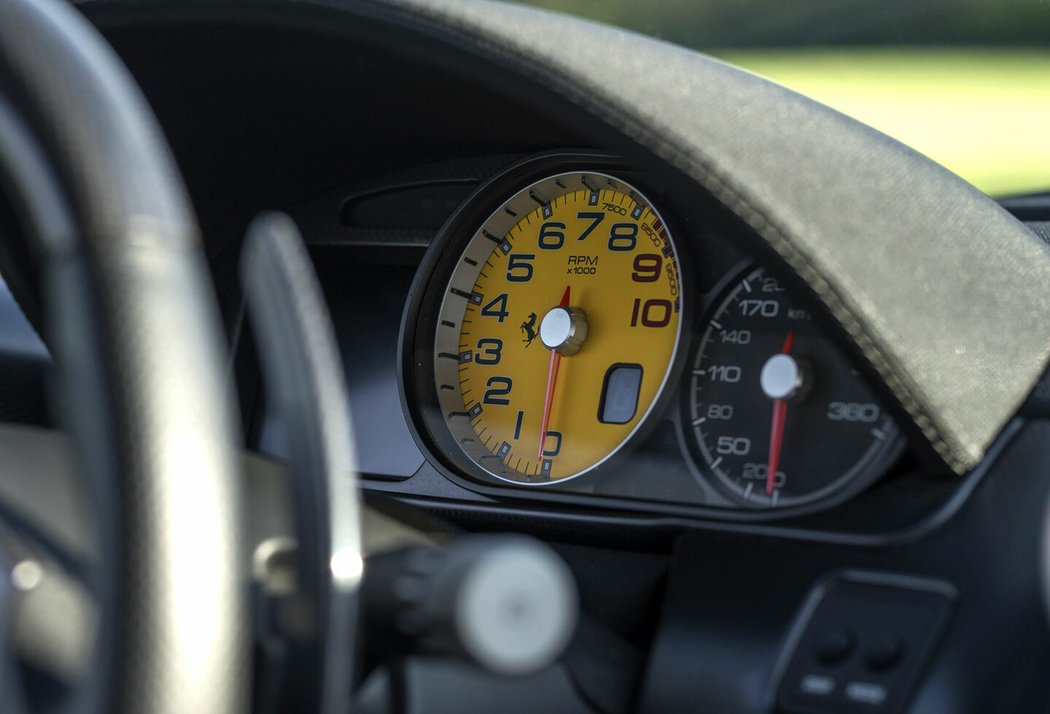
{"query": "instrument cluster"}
[(557, 340)]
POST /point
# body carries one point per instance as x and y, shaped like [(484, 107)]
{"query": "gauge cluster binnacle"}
[(550, 342)]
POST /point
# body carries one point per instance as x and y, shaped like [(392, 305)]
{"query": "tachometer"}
[(558, 325), (778, 415)]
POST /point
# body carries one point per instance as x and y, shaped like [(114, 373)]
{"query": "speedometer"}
[(559, 321), (778, 415)]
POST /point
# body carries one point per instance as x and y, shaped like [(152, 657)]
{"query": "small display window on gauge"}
[(777, 414)]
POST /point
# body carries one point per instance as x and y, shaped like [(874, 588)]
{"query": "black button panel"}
[(862, 644)]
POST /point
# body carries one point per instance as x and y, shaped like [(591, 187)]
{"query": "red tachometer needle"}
[(776, 432), (552, 379)]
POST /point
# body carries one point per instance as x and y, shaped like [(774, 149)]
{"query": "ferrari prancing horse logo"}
[(529, 328)]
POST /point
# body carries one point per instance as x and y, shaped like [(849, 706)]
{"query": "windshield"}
[(966, 82)]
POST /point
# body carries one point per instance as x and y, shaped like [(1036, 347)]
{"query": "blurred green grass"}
[(966, 82), (983, 113)]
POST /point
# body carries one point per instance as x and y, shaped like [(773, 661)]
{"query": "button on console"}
[(884, 653), (816, 685), (836, 647), (866, 693)]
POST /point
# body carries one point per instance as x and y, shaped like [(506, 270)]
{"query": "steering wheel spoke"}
[(304, 375)]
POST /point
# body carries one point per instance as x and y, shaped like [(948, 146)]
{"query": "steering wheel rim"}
[(135, 335)]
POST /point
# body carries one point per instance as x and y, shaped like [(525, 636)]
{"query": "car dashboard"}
[(544, 331), (427, 172), (678, 454)]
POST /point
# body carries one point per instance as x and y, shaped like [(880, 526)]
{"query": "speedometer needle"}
[(776, 435), (552, 379)]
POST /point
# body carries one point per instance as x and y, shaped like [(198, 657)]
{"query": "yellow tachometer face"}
[(558, 328)]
